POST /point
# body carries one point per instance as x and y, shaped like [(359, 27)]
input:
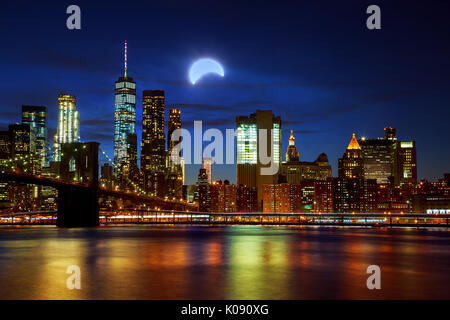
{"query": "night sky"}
[(314, 63)]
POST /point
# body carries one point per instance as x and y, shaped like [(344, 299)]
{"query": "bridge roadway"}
[(132, 216), (78, 204)]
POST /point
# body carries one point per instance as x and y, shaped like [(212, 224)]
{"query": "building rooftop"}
[(353, 145)]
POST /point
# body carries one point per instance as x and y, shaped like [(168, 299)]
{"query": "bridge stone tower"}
[(78, 204)]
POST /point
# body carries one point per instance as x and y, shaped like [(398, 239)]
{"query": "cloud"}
[(100, 128), (200, 107), (293, 122), (329, 108), (8, 114), (307, 131), (101, 121), (234, 108), (50, 56), (99, 136)]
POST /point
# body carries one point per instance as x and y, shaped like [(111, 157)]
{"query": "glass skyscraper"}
[(68, 129), (124, 116), (248, 167), (36, 118), (247, 149)]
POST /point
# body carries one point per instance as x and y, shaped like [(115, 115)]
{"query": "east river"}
[(229, 262)]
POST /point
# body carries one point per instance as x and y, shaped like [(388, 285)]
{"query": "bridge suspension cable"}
[(136, 187)]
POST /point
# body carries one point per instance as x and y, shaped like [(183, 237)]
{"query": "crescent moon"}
[(204, 66)]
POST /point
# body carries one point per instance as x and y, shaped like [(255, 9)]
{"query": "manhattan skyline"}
[(339, 79)]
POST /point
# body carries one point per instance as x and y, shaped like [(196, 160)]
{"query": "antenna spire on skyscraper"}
[(125, 58)]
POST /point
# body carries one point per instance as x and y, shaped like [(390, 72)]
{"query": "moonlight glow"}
[(203, 66)]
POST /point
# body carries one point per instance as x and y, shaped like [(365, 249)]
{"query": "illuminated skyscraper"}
[(132, 156), (36, 118), (5, 164), (124, 115), (174, 178), (68, 129), (378, 156), (183, 173), (203, 189), (23, 148), (173, 124), (153, 138), (292, 154), (351, 164), (207, 165), (377, 159), (388, 160), (22, 139), (5, 146), (248, 167), (153, 151), (405, 162)]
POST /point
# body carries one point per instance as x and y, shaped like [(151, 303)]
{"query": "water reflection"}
[(232, 262)]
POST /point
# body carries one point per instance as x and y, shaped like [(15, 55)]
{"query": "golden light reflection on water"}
[(253, 262), (234, 262)]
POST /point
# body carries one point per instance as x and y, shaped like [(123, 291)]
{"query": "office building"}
[(223, 196), (351, 165), (292, 154), (405, 162), (354, 195), (276, 198), (22, 140), (297, 171), (132, 156), (203, 190), (124, 116), (249, 165), (306, 201), (68, 129), (173, 124), (175, 171), (207, 165), (5, 164), (246, 199), (183, 170), (36, 118), (323, 196), (377, 159), (430, 204), (378, 156), (153, 152)]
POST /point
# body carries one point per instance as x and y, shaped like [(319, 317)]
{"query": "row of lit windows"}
[(125, 98), (125, 84), (246, 137)]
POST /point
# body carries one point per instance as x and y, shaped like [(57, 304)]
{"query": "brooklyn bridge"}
[(79, 191)]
